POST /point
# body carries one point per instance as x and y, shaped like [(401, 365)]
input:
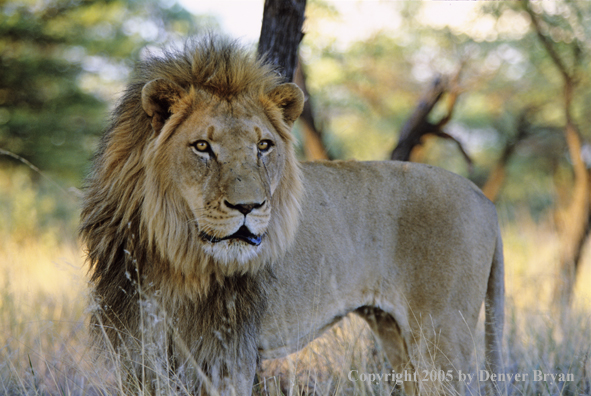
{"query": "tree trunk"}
[(574, 223), (574, 220), (281, 34)]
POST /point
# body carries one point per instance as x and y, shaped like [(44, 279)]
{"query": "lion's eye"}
[(264, 145), (201, 146)]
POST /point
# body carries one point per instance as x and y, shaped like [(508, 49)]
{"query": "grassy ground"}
[(44, 345)]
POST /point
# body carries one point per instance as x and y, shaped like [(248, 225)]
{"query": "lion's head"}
[(197, 173)]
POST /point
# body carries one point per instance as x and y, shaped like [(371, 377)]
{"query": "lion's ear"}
[(290, 99), (157, 98)]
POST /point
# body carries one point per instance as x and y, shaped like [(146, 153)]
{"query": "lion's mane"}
[(136, 227)]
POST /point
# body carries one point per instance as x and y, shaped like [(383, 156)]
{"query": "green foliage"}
[(35, 211), (61, 64)]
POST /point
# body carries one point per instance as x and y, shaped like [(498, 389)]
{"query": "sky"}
[(241, 19)]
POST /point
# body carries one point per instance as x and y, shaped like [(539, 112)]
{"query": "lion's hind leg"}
[(390, 337)]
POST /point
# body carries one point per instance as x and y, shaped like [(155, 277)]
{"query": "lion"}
[(197, 204)]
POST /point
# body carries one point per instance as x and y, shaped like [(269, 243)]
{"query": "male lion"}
[(196, 205)]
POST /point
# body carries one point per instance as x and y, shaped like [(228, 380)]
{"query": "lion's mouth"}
[(243, 234)]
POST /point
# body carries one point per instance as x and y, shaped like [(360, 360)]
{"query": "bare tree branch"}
[(444, 135), (546, 42), (417, 126)]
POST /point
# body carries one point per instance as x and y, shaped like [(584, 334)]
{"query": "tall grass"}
[(45, 347)]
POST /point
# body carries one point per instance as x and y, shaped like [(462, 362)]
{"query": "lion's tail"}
[(495, 316)]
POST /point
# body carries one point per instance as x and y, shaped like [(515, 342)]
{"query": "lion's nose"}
[(244, 208)]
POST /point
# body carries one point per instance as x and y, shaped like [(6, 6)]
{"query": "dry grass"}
[(44, 345)]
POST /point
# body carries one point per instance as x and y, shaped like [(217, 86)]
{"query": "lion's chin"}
[(232, 251)]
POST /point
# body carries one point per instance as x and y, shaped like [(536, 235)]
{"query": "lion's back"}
[(393, 189)]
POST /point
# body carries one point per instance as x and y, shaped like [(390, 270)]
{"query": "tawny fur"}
[(412, 249)]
